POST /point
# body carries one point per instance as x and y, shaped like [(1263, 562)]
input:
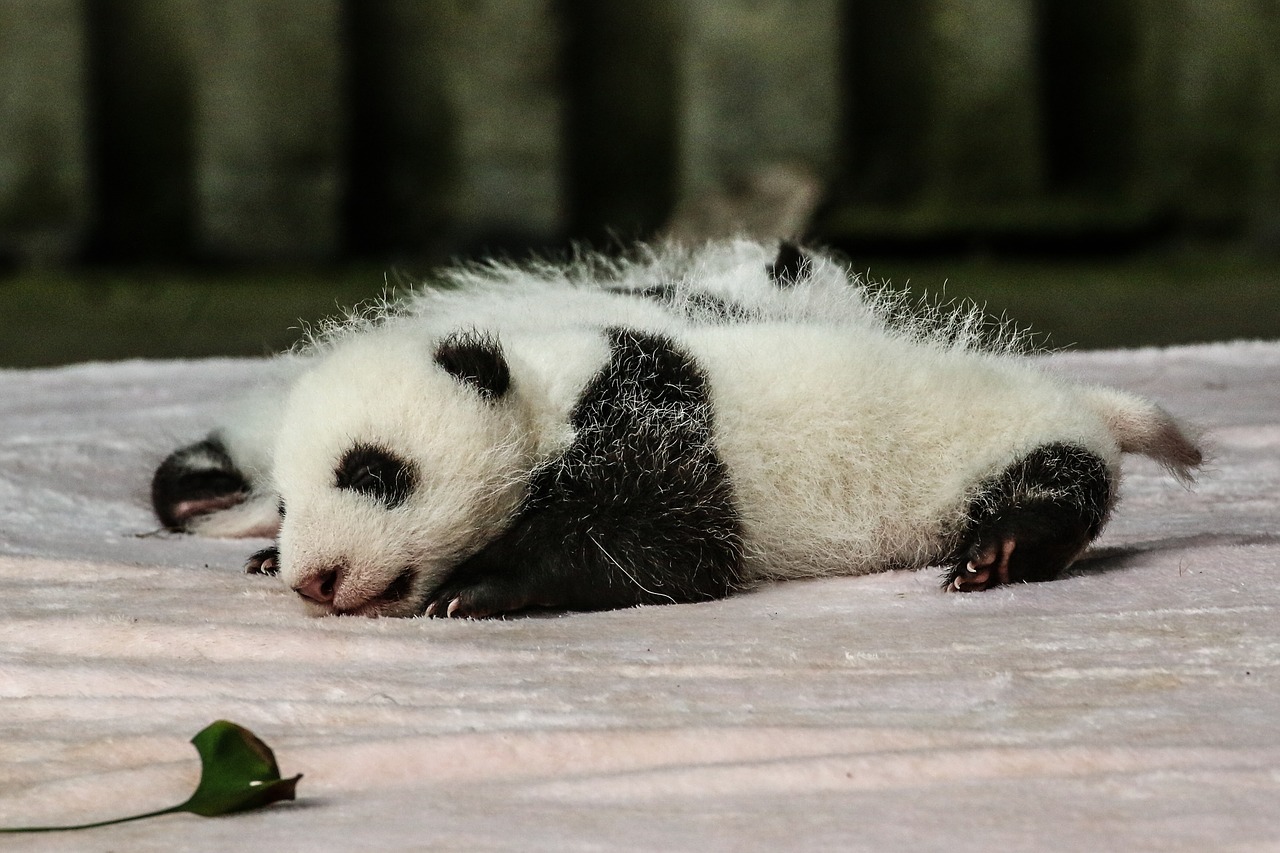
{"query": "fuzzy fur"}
[(827, 428), (658, 288)]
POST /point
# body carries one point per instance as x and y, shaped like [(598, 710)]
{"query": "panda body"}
[(666, 431), (607, 465)]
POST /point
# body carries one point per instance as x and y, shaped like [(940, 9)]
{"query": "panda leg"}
[(664, 534), (200, 488), (196, 480), (639, 510), (1031, 521)]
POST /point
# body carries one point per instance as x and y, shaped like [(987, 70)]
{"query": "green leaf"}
[(238, 772)]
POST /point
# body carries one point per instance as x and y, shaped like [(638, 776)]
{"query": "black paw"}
[(264, 562), (1030, 521), (1030, 546), (480, 598), (982, 566), (196, 480)]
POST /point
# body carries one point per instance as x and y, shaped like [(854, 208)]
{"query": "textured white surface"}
[(1133, 705)]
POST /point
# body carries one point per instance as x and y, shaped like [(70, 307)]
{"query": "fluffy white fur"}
[(847, 454), (852, 427), (854, 454), (592, 291), (588, 293), (851, 440)]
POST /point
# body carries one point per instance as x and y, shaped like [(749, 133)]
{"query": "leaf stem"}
[(169, 810)]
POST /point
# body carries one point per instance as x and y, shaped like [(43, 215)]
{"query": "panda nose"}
[(321, 587)]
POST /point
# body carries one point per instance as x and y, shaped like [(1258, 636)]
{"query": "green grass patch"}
[(58, 317), (1146, 301)]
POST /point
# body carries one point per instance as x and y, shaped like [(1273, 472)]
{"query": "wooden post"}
[(44, 186), (268, 129), (141, 54), (984, 141), (943, 107), (456, 137)]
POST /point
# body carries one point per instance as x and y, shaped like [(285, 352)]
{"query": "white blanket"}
[(1132, 705)]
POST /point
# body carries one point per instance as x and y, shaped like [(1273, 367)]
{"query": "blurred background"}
[(182, 178)]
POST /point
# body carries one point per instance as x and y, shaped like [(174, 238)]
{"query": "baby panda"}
[(221, 486), (486, 469), (475, 475)]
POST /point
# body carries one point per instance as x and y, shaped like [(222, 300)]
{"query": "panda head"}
[(396, 458)]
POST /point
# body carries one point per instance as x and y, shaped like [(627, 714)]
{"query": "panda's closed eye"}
[(372, 471)]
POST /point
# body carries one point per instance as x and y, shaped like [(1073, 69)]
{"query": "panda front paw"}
[(264, 562), (478, 600)]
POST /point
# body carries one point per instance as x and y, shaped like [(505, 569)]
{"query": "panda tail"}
[(1140, 426)]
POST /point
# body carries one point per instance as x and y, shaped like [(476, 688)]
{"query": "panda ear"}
[(476, 360)]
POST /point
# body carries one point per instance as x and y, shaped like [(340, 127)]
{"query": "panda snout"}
[(322, 586), (339, 591)]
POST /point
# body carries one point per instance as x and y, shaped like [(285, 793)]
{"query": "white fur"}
[(514, 300), (853, 425), (848, 454), (593, 291), (853, 454)]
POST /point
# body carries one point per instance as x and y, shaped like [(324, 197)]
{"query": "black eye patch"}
[(372, 471)]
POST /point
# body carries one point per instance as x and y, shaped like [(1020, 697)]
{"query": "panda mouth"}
[(399, 588)]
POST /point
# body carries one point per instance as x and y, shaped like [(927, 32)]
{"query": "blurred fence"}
[(263, 130)]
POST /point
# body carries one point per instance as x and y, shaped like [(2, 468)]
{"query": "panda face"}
[(395, 461)]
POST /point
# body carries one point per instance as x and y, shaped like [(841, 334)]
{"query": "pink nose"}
[(321, 587)]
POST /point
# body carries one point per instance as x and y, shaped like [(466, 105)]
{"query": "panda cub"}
[(452, 468)]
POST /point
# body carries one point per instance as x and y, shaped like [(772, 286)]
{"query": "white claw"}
[(453, 606), (431, 610), (971, 568)]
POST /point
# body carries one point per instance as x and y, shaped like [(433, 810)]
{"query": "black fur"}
[(1052, 503), (789, 266), (638, 510), (476, 360), (372, 471), (195, 480), (264, 562)]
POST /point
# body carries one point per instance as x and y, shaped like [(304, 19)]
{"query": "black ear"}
[(789, 266), (475, 359)]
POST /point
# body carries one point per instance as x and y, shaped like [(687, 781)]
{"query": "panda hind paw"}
[(985, 565)]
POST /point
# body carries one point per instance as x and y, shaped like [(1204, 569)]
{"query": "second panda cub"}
[(468, 475)]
